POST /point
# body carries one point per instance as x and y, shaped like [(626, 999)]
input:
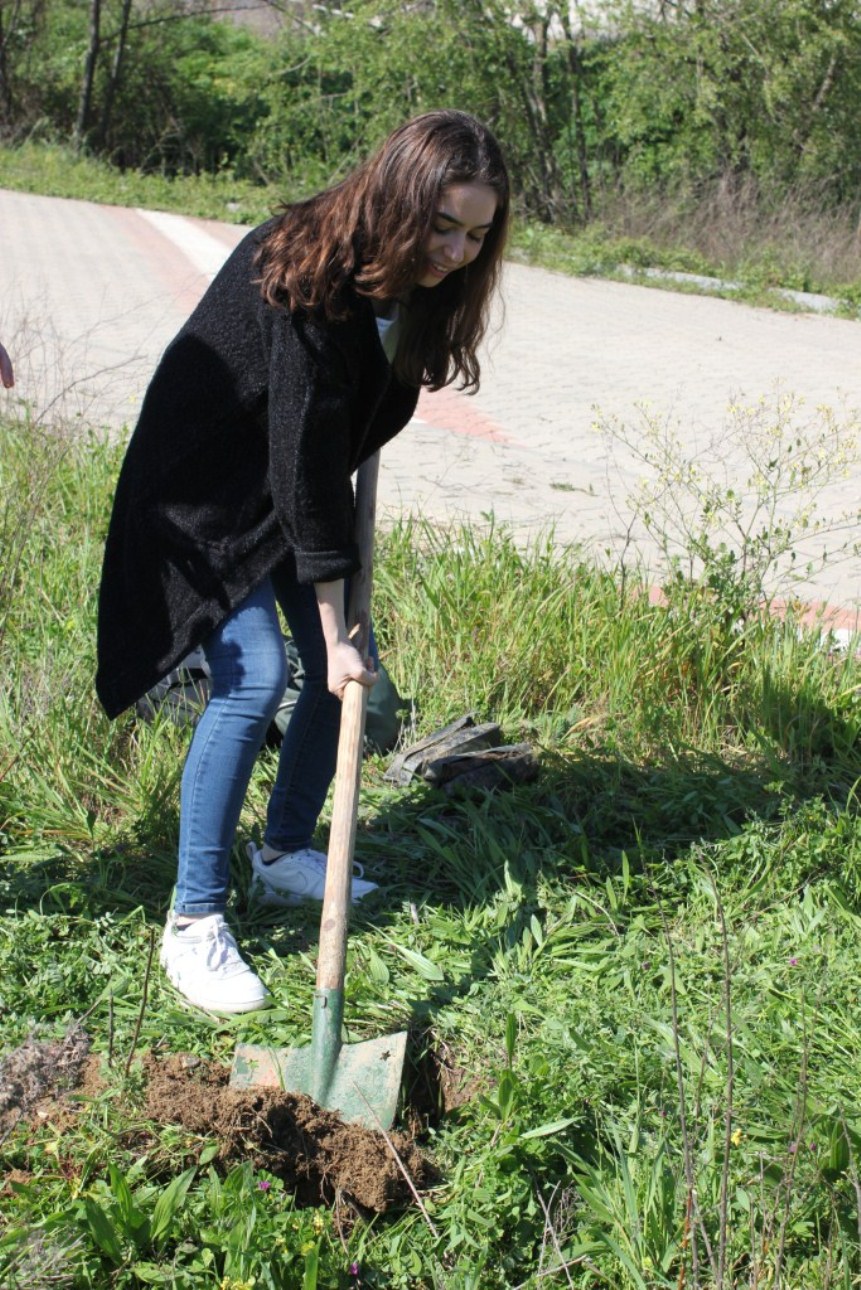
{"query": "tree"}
[(766, 88), (20, 22), (90, 62), (115, 73)]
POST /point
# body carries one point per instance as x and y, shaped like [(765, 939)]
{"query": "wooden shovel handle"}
[(345, 807), (359, 611)]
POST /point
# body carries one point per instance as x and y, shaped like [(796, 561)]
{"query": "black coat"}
[(250, 430)]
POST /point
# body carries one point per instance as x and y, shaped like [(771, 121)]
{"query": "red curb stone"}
[(166, 262), (449, 410)]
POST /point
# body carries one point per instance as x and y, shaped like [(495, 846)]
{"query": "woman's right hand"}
[(345, 664)]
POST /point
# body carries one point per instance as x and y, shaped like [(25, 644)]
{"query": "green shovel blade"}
[(364, 1085)]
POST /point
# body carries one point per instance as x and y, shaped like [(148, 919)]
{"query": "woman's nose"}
[(455, 249)]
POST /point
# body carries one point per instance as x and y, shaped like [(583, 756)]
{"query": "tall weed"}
[(740, 231)]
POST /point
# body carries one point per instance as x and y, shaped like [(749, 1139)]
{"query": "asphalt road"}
[(90, 295)]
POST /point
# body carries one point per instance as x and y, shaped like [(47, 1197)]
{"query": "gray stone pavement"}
[(90, 295)]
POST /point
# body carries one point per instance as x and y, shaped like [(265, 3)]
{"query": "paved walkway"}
[(90, 295)]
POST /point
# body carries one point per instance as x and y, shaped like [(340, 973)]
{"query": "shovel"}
[(359, 1081)]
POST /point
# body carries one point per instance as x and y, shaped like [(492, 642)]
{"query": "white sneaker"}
[(298, 875), (202, 961)]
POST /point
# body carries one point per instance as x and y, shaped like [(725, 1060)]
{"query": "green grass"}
[(600, 249), (757, 278), (641, 969), (56, 170)]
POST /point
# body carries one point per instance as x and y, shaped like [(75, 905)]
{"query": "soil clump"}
[(316, 1154)]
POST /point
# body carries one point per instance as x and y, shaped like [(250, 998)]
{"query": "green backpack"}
[(385, 705), (183, 693)]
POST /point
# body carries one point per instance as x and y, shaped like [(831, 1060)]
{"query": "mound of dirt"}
[(37, 1070), (318, 1156)]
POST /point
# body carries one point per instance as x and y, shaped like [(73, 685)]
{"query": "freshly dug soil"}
[(39, 1069), (318, 1156), (313, 1150)]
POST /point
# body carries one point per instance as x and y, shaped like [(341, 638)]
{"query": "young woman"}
[(305, 355)]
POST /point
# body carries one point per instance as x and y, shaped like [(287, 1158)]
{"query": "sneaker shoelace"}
[(222, 951), (319, 861), (358, 869)]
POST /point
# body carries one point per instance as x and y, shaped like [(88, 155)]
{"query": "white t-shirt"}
[(389, 329)]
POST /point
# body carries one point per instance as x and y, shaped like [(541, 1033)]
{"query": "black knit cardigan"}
[(250, 430)]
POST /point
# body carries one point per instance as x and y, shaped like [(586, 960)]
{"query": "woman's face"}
[(463, 217)]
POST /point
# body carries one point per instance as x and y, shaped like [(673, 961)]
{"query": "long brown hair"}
[(368, 231)]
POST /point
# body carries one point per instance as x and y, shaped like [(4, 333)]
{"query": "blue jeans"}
[(249, 675)]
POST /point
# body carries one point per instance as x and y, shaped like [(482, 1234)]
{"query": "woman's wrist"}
[(330, 603)]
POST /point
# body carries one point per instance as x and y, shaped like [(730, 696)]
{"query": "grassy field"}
[(631, 986), (755, 254)]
